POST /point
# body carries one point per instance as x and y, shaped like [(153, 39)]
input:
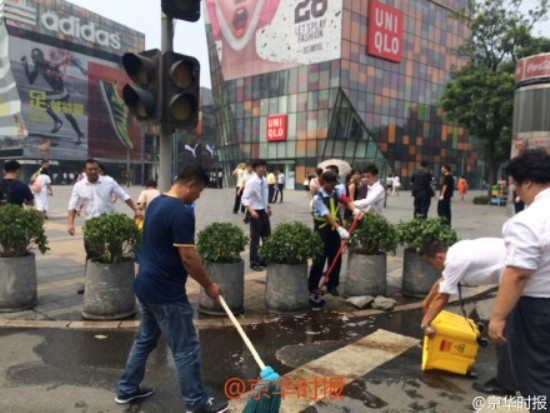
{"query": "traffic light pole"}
[(165, 154)]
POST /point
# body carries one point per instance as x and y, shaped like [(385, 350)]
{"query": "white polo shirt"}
[(527, 237), (375, 199), (473, 262), (256, 193), (96, 196)]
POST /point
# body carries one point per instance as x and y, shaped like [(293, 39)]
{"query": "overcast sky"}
[(190, 38)]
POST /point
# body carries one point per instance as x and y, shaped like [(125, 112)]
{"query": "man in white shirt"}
[(521, 314), (256, 200), (374, 202), (280, 186), (468, 262), (95, 193)]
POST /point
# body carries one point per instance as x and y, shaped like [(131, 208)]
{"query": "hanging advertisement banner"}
[(255, 37), (533, 67)]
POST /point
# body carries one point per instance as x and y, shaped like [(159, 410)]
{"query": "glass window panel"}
[(290, 149), (292, 103), (264, 105), (313, 101), (339, 148), (360, 150), (272, 150), (291, 126), (350, 149), (281, 150), (263, 150), (282, 104)]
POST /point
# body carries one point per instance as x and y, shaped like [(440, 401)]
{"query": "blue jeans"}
[(175, 322)]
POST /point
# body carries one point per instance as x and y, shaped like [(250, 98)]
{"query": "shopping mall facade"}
[(60, 77), (297, 82)]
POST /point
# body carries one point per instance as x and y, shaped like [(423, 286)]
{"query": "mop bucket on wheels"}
[(455, 344)]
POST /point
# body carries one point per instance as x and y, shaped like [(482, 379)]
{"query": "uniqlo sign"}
[(385, 35), (276, 128)]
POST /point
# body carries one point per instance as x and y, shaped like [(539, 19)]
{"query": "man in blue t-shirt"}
[(12, 190), (168, 256)]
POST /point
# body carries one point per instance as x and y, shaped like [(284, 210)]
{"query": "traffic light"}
[(181, 91), (144, 97), (189, 10)]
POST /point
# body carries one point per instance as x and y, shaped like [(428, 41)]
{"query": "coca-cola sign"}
[(533, 67)]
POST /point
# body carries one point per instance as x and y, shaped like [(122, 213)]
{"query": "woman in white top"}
[(396, 184), (42, 187)]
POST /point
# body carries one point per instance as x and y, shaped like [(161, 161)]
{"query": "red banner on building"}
[(533, 67), (276, 128), (385, 35)]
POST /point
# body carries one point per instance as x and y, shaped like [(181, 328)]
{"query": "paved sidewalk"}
[(61, 270)]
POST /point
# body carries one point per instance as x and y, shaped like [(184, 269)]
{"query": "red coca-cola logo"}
[(533, 67)]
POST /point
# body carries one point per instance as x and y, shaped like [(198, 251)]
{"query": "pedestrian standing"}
[(280, 186), (462, 187), (374, 202), (445, 194), (521, 313), (352, 185), (396, 185), (12, 190), (42, 188), (147, 195), (389, 184), (95, 192), (422, 190), (168, 259), (468, 262), (271, 182), (328, 224), (255, 199)]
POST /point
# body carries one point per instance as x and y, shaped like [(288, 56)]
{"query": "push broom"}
[(266, 397)]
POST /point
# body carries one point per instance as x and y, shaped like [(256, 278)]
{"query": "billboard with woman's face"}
[(261, 36)]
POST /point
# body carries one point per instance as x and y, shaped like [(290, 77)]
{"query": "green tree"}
[(480, 95)]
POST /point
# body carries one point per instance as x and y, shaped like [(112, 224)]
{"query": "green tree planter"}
[(112, 240), (373, 238), (287, 252), (418, 276), (20, 231), (220, 246)]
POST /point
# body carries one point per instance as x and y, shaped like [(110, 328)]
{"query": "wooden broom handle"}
[(243, 335)]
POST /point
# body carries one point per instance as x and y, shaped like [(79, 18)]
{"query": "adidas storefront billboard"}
[(65, 62)]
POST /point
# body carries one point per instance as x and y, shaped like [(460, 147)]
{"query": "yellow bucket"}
[(455, 345)]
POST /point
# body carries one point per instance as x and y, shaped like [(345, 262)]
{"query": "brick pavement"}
[(61, 270)]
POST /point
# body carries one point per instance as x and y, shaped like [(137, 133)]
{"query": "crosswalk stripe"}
[(348, 363)]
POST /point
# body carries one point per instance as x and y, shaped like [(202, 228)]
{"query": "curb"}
[(210, 323)]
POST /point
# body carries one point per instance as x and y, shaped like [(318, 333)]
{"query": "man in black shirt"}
[(13, 191), (422, 190), (445, 194)]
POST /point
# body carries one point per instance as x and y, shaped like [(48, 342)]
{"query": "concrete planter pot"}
[(286, 290), (109, 291), (366, 275), (230, 277), (418, 277), (17, 283)]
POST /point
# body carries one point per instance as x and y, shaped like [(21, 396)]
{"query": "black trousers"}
[(422, 201), (528, 335), (331, 243), (444, 209), (271, 192), (259, 228), (238, 196), (279, 190), (504, 371)]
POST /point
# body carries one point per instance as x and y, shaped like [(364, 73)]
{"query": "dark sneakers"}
[(212, 406), (492, 386), (141, 394)]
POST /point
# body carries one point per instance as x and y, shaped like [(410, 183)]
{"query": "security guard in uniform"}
[(328, 225)]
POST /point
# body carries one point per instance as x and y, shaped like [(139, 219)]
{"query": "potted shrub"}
[(287, 251), (112, 241), (369, 243), (20, 230), (418, 276), (220, 246)]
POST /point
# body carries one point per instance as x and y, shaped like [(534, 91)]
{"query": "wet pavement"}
[(47, 367)]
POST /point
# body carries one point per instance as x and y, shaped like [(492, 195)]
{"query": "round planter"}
[(286, 289), (418, 277), (109, 291), (230, 278), (366, 275), (17, 283)]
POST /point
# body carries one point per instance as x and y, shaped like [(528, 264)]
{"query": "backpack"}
[(5, 194)]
